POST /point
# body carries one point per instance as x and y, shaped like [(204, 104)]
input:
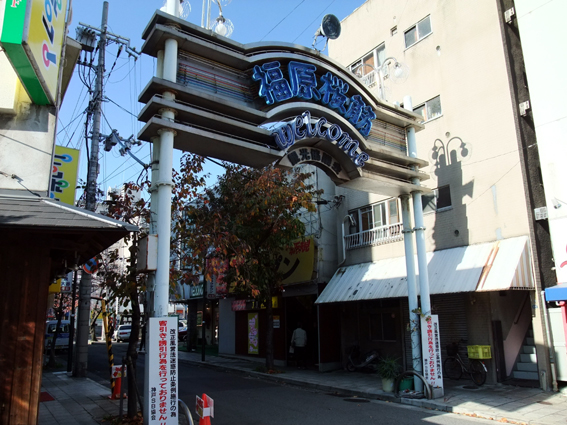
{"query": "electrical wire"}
[(283, 19), (124, 109), (313, 21)]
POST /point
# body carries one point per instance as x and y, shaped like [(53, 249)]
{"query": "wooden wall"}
[(24, 281)]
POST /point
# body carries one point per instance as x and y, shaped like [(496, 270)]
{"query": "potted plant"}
[(388, 368)]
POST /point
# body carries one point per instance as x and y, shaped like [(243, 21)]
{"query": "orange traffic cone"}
[(116, 390), (206, 420)]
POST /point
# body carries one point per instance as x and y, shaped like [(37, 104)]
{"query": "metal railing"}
[(184, 411), (377, 236)]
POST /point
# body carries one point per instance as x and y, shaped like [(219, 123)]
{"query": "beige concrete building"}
[(489, 255)]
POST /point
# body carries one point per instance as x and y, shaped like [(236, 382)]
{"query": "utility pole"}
[(85, 287), (87, 33)]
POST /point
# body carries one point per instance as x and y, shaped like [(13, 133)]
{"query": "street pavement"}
[(84, 401)]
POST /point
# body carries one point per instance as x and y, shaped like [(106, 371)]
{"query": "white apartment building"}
[(464, 64)]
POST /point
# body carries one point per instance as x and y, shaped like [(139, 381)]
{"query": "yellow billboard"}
[(55, 287), (297, 262), (45, 41), (64, 175)]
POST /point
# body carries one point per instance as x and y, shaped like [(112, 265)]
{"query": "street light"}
[(400, 74), (222, 26), (181, 9)]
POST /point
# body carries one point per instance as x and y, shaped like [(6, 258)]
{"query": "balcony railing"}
[(377, 236)]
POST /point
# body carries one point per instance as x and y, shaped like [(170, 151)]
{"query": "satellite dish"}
[(330, 29)]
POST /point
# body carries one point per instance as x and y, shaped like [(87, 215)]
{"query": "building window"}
[(417, 32), (430, 109), (374, 225), (365, 66), (439, 200), (394, 30)]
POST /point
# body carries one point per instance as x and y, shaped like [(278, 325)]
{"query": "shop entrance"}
[(302, 310)]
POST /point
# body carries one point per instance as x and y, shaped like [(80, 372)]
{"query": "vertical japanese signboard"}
[(64, 175), (431, 344), (253, 343), (163, 390), (32, 37)]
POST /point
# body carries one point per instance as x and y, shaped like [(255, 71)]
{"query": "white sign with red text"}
[(117, 371), (431, 348), (162, 388)]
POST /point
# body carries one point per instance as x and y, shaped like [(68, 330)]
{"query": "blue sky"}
[(294, 21)]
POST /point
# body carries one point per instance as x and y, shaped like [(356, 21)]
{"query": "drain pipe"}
[(343, 237), (412, 294)]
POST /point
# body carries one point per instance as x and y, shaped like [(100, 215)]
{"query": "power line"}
[(124, 109), (283, 19), (313, 21)]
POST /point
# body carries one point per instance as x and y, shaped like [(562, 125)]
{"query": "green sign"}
[(32, 37)]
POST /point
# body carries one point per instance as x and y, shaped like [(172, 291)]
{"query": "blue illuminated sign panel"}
[(330, 90), (301, 127)]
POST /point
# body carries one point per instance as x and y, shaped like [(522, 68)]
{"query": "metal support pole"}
[(419, 225), (81, 358), (203, 321), (72, 323), (412, 293), (162, 184)]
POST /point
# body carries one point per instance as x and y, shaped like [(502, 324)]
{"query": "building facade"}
[(489, 252)]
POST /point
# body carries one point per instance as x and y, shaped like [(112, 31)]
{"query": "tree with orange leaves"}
[(244, 223)]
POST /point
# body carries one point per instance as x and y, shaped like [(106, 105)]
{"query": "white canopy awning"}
[(494, 266)]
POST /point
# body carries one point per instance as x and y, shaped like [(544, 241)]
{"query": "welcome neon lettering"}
[(301, 128)]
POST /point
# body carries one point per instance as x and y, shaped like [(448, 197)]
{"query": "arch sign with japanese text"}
[(265, 103), (260, 104)]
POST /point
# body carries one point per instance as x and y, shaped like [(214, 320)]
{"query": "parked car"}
[(123, 333), (63, 337)]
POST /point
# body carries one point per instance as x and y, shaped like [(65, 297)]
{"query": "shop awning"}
[(494, 266), (71, 234), (556, 293)]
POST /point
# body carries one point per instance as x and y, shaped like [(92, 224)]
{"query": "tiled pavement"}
[(76, 401), (83, 401)]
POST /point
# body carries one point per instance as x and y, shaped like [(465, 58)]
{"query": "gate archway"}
[(261, 103)]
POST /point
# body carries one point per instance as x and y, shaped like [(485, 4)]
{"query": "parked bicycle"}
[(357, 361), (454, 366)]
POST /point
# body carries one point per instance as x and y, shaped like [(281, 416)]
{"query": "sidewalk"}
[(83, 401), (66, 400)]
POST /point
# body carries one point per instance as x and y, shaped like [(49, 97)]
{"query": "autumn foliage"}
[(243, 224)]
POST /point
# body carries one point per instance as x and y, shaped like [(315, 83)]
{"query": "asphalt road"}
[(252, 401)]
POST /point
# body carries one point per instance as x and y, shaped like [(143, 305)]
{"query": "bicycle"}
[(453, 366)]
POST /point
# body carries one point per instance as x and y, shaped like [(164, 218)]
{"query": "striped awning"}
[(495, 266)]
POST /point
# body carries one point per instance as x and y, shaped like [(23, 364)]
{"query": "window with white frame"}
[(430, 109), (439, 200), (418, 31), (365, 66), (374, 224)]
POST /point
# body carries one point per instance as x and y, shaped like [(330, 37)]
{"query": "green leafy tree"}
[(244, 223)]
